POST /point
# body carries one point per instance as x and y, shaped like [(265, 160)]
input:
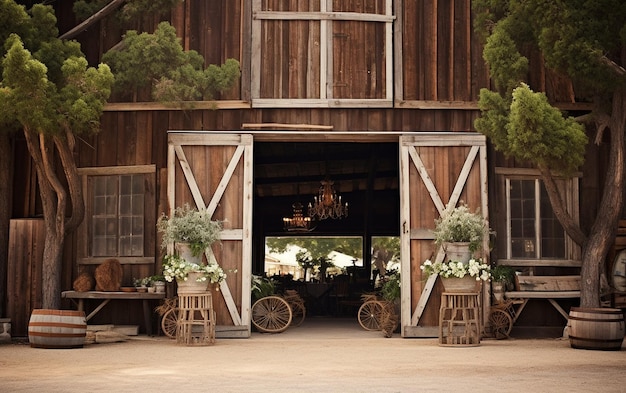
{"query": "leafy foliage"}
[(459, 224), (319, 246), (177, 268), (581, 41), (262, 287), (188, 225), (391, 287), (503, 274), (129, 11), (158, 60)]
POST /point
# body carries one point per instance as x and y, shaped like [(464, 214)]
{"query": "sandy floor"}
[(319, 356)]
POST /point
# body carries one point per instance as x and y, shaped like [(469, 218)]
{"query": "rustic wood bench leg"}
[(559, 308)]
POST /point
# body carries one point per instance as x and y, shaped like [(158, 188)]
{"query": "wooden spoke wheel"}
[(501, 323), (370, 314), (271, 314), (298, 312), (168, 323)]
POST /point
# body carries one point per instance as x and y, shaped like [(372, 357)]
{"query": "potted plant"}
[(502, 278), (190, 226), (190, 276), (458, 276), (142, 284), (458, 226), (158, 282)]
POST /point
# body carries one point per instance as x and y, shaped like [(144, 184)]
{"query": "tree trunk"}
[(602, 233), (54, 198), (52, 270)]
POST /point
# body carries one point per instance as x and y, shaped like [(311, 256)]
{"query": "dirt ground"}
[(319, 356)]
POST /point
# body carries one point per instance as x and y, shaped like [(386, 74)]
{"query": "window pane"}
[(138, 185), (522, 208), (117, 219), (552, 233), (125, 185)]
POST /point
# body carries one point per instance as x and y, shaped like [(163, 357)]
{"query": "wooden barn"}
[(379, 96)]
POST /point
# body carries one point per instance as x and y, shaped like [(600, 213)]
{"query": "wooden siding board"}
[(443, 38), (24, 289), (461, 51)]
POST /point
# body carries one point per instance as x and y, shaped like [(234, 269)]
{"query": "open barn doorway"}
[(366, 177)]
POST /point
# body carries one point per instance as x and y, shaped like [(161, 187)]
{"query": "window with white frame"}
[(117, 215), (321, 53), (118, 204), (528, 229), (534, 231)]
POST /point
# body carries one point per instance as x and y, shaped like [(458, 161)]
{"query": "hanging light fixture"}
[(328, 204), (298, 222)]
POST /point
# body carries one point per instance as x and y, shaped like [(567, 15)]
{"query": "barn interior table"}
[(106, 297)]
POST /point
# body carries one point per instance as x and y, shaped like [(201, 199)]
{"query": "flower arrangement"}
[(177, 268), (475, 268), (188, 225), (459, 224)]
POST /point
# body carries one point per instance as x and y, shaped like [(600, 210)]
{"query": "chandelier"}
[(327, 204), (298, 222)]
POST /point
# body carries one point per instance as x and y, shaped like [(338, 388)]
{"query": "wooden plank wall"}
[(441, 61), (26, 239)]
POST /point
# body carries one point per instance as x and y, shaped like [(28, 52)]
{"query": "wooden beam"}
[(175, 106), (247, 126)]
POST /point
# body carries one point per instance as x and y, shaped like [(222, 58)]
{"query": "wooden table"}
[(106, 297)]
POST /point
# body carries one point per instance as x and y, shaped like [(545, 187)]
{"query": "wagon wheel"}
[(369, 315), (298, 312), (168, 323), (501, 323), (271, 314)]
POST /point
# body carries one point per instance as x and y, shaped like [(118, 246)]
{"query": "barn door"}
[(214, 172), (434, 169)]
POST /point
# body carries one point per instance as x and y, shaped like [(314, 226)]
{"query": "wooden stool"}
[(195, 310), (459, 319)]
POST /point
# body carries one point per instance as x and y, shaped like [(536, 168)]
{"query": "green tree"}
[(158, 61), (318, 247), (583, 40), (48, 91)]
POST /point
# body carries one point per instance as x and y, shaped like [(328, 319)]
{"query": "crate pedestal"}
[(459, 321), (196, 319)]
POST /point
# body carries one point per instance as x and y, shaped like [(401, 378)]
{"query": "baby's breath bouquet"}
[(177, 268), (459, 224), (188, 225), (475, 268)]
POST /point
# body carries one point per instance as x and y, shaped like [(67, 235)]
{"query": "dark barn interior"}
[(365, 175)]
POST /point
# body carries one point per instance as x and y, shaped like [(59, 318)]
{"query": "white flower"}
[(474, 268)]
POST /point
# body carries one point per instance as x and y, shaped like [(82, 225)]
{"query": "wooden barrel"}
[(596, 328), (57, 329)]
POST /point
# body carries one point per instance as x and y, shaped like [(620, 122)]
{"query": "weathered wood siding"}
[(438, 71)]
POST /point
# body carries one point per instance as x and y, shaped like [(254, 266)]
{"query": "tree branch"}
[(65, 147), (560, 211), (106, 10), (61, 197)]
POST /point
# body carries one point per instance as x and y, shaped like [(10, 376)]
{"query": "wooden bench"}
[(550, 287), (105, 297)]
